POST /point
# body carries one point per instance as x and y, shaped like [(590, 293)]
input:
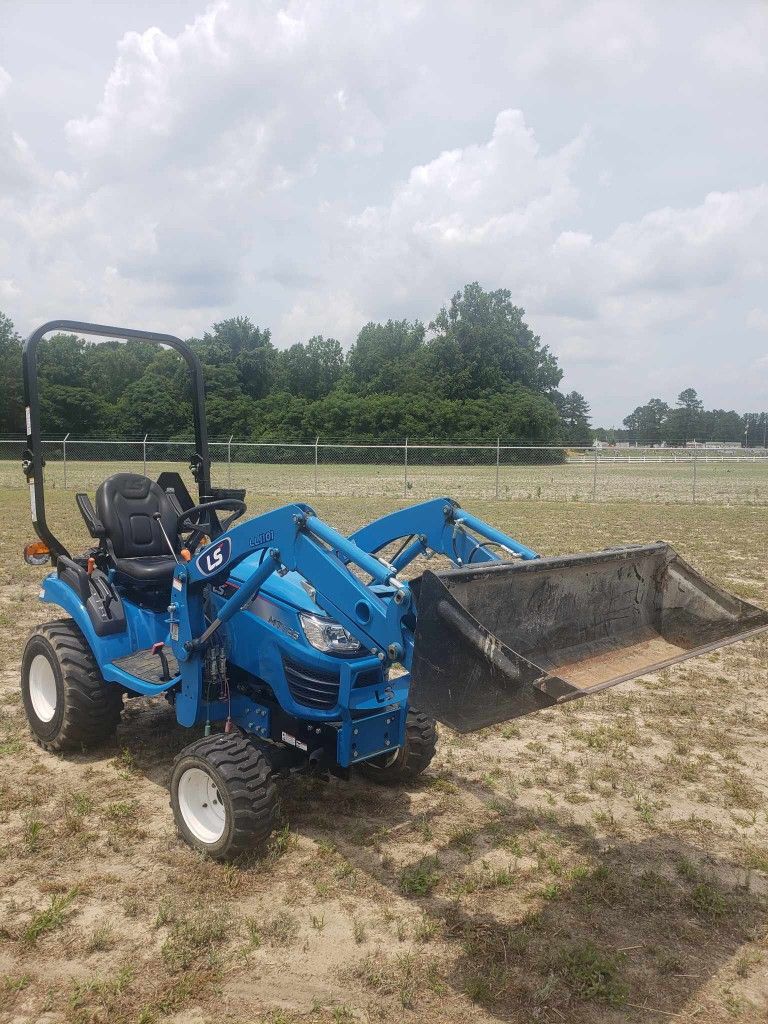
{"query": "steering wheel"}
[(203, 526)]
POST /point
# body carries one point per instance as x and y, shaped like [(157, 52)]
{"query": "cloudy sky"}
[(318, 164)]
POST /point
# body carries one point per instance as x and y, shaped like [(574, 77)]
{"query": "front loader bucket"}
[(500, 640)]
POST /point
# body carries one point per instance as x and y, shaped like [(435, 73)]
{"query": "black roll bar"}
[(33, 461)]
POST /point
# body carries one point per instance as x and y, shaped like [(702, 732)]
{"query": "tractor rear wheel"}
[(222, 795), (68, 704), (412, 758)]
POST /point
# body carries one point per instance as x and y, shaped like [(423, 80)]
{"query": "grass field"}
[(602, 862), (737, 482)]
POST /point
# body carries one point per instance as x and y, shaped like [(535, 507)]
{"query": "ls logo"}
[(214, 557)]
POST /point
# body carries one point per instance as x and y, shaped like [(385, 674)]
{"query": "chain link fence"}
[(299, 470)]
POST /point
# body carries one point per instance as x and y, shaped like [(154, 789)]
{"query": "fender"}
[(142, 632)]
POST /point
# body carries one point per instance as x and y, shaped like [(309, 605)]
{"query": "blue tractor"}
[(286, 646)]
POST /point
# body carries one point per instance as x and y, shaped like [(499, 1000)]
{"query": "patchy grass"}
[(708, 901), (719, 482), (421, 878), (51, 917), (195, 940), (591, 973), (280, 930), (599, 863)]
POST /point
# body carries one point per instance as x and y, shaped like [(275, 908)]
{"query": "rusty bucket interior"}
[(500, 640)]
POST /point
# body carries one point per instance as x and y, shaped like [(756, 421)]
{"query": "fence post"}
[(695, 464), (317, 442), (498, 442), (229, 460), (405, 478), (594, 477), (64, 446), (144, 452)]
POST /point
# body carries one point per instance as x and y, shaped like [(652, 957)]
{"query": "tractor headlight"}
[(328, 636)]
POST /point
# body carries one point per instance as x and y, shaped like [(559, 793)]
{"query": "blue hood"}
[(288, 589)]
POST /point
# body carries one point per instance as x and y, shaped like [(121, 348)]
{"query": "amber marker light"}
[(37, 553)]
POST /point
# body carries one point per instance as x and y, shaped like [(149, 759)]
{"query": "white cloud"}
[(476, 212), (8, 290), (238, 97), (757, 319), (194, 138), (741, 47), (702, 246), (503, 188), (615, 37), (498, 211), (316, 164)]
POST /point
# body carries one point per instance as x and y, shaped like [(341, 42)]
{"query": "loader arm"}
[(440, 527), (294, 538), (493, 637), (378, 613)]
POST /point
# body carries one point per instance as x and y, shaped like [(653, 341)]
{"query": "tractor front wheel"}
[(222, 795), (68, 704), (412, 758)]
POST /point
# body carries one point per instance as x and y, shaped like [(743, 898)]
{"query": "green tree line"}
[(476, 372), (656, 422)]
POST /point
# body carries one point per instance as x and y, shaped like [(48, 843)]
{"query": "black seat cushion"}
[(126, 504), (151, 569)]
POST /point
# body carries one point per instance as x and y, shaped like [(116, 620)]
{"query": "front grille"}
[(311, 686), (371, 677)]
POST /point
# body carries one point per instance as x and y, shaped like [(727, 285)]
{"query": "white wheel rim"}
[(201, 806), (42, 688)]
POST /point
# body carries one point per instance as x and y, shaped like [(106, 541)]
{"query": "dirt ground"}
[(606, 861)]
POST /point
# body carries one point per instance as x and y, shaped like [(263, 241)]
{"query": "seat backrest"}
[(126, 504)]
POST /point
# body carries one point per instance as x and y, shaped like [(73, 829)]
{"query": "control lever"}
[(158, 649), (159, 520), (102, 589)]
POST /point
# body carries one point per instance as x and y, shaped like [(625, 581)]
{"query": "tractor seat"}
[(126, 504)]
